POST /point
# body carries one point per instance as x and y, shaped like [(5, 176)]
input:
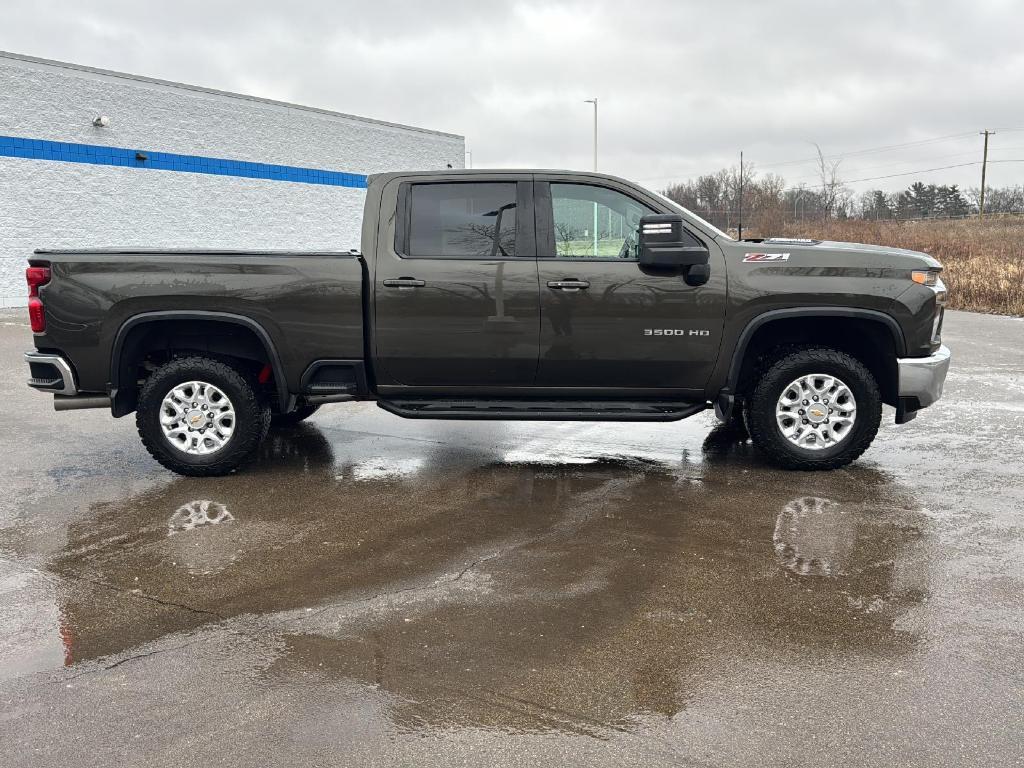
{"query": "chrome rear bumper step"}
[(50, 373)]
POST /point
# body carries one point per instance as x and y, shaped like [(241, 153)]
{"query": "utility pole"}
[(741, 198), (984, 163), (594, 102)]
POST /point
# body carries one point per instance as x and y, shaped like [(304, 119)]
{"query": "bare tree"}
[(833, 191), (565, 238)]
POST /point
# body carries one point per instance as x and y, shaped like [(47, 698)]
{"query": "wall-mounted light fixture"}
[(102, 121)]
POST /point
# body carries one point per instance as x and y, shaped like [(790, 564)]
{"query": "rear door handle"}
[(568, 285), (404, 282)]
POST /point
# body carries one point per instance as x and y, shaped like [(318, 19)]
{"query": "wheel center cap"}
[(194, 418), (817, 413)]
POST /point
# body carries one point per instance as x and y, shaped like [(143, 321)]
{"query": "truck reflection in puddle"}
[(201, 553), (475, 591), (197, 513)]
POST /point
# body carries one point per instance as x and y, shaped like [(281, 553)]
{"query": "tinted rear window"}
[(462, 220)]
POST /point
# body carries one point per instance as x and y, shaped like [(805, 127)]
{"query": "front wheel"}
[(200, 417), (814, 408)]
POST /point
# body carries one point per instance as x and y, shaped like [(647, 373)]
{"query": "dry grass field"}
[(983, 261)]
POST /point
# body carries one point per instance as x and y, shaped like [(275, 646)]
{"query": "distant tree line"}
[(767, 201)]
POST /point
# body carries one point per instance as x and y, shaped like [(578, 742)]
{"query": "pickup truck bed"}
[(309, 305)]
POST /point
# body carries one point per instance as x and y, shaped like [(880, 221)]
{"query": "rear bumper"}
[(921, 378), (51, 373)]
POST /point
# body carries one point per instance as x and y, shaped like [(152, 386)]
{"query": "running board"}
[(543, 410)]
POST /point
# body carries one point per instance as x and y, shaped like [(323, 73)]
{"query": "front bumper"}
[(921, 378)]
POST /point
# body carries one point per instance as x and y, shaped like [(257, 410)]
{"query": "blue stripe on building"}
[(94, 154)]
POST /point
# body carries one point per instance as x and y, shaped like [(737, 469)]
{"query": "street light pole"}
[(798, 198), (594, 231), (594, 102), (740, 235)]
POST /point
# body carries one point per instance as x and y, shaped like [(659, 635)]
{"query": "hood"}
[(835, 252)]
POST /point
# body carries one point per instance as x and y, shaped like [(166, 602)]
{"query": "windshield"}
[(691, 214)]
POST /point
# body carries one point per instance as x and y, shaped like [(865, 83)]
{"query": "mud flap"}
[(724, 405), (906, 410)]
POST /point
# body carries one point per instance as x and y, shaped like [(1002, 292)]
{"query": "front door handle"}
[(568, 285), (404, 282)]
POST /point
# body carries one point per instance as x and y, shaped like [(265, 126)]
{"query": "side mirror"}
[(664, 244)]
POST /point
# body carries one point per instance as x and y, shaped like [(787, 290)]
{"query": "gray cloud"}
[(682, 86)]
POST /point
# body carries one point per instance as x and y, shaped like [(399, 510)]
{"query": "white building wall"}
[(50, 203)]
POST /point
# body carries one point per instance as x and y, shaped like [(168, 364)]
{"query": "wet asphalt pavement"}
[(384, 592)]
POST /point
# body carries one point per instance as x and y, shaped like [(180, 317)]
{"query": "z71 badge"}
[(766, 257)]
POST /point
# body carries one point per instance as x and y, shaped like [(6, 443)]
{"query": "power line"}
[(902, 162), (871, 150), (923, 159), (911, 173), (908, 173), (894, 175), (843, 155)]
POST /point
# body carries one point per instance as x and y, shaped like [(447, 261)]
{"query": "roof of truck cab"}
[(498, 172), (485, 171)]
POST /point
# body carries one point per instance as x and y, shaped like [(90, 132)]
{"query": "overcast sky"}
[(682, 86)]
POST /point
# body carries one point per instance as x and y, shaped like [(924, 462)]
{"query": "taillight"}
[(36, 276)]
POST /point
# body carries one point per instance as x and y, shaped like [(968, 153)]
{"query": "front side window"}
[(462, 220), (595, 222)]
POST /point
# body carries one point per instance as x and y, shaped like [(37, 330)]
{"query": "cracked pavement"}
[(384, 592)]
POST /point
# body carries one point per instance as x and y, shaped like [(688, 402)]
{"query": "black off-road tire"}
[(790, 365), (292, 418), (252, 417)]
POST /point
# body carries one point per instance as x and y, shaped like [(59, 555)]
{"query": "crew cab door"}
[(605, 321), (455, 283)]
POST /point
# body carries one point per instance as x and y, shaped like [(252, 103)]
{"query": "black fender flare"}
[(224, 317), (725, 398)]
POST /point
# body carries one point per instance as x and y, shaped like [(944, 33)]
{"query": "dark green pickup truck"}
[(497, 295)]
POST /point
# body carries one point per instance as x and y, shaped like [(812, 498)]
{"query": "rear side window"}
[(462, 220)]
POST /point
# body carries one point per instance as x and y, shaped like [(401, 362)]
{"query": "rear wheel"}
[(200, 417), (292, 418), (814, 408)]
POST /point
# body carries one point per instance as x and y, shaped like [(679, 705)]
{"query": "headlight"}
[(928, 277)]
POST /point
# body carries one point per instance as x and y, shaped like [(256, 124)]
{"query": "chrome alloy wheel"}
[(197, 418), (816, 411)]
